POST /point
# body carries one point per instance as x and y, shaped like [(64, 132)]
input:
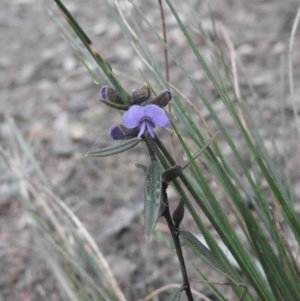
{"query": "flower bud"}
[(116, 133), (172, 173), (162, 99), (109, 93), (140, 94), (178, 214)]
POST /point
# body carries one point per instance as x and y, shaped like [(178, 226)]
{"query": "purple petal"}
[(133, 116), (103, 92), (149, 127), (142, 129), (116, 133), (157, 115)]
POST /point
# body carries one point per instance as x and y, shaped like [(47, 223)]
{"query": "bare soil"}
[(53, 100)]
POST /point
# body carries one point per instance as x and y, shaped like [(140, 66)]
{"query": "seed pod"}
[(140, 94), (172, 173), (178, 213)]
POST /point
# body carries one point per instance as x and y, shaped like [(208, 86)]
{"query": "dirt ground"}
[(53, 100)]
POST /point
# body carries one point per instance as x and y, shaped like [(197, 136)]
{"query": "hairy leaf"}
[(112, 150), (152, 197)]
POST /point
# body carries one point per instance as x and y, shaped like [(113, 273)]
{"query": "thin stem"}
[(175, 236), (167, 71), (163, 24), (174, 230), (290, 68), (150, 151)]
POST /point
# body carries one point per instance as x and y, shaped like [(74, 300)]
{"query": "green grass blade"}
[(226, 233), (205, 253), (26, 149), (175, 296), (92, 50)]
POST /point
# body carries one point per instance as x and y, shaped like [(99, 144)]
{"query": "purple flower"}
[(146, 118)]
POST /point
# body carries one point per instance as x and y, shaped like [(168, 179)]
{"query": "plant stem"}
[(175, 236), (174, 230)]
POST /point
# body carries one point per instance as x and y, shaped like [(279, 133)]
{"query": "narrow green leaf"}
[(142, 168), (227, 235), (75, 45), (27, 150), (112, 150), (152, 197), (83, 62), (206, 145), (181, 240), (213, 288), (280, 195), (175, 296), (205, 253), (92, 50)]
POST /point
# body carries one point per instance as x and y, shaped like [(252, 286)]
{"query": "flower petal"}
[(116, 133), (150, 130), (142, 129), (103, 92), (157, 115), (133, 116)]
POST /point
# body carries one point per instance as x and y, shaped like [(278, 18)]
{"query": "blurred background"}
[(53, 101)]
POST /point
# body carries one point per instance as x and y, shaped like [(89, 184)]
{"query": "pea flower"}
[(146, 118)]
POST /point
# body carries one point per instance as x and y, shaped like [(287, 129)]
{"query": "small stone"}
[(279, 48), (7, 191), (246, 51), (44, 85), (62, 144), (79, 102), (77, 131), (121, 267), (39, 132), (99, 28), (69, 63), (26, 74), (120, 219)]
